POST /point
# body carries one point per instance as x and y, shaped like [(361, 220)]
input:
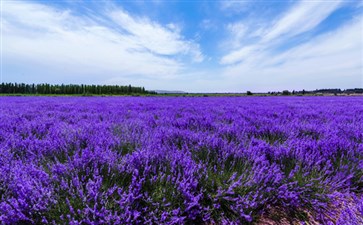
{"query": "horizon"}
[(195, 47), (27, 88)]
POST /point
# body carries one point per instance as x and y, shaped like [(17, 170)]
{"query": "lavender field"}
[(174, 160)]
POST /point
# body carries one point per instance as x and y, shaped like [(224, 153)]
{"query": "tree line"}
[(334, 91), (71, 89)]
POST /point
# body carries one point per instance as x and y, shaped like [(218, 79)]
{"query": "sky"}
[(192, 46)]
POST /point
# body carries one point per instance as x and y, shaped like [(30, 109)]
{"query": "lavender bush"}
[(222, 160)]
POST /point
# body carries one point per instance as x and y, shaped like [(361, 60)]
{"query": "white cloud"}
[(303, 17), (329, 60), (241, 54), (58, 43), (152, 36), (238, 31)]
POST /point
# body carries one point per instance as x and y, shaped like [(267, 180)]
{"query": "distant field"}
[(186, 95), (173, 160)]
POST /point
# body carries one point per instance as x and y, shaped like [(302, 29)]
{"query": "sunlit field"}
[(181, 160)]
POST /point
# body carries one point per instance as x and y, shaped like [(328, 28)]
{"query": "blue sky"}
[(194, 46)]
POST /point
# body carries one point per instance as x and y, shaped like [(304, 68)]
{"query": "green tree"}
[(285, 92)]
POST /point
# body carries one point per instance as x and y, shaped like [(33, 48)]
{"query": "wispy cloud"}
[(302, 17), (242, 53), (63, 44), (238, 33), (330, 60), (162, 40)]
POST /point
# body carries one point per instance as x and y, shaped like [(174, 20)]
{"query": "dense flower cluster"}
[(155, 160)]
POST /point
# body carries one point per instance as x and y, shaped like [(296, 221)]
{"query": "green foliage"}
[(285, 92), (70, 89)]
